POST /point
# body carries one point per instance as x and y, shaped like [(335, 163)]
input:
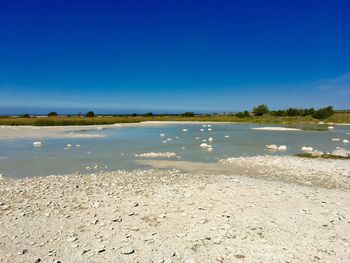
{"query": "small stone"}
[(128, 251), (216, 241)]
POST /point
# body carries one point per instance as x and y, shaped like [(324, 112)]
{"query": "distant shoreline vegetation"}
[(259, 114)]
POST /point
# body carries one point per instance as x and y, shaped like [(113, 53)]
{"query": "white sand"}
[(169, 216)]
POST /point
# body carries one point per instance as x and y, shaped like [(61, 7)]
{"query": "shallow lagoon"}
[(117, 150)]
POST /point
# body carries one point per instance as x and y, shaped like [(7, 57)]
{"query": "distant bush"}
[(90, 114), (323, 113), (52, 114), (187, 114), (26, 115), (260, 110), (242, 114), (134, 115), (148, 114)]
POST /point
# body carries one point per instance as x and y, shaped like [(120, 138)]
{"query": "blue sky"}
[(173, 56)]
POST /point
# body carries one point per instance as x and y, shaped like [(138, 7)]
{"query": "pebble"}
[(128, 251)]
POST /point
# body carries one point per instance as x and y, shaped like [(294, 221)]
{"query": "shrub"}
[(26, 115), (187, 114), (148, 114), (242, 114), (324, 113), (52, 114), (260, 110), (90, 114)]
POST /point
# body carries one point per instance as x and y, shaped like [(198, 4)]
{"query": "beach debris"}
[(210, 139), (37, 144), (320, 122), (156, 154), (162, 135), (345, 141), (184, 130), (271, 146), (282, 148), (335, 139)]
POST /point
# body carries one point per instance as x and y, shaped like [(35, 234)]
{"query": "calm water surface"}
[(18, 158)]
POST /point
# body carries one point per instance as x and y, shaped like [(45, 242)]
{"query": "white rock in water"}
[(227, 136), (210, 139), (99, 128), (162, 135), (164, 141), (37, 144), (209, 125), (204, 125), (330, 128), (156, 155), (201, 130), (204, 145), (340, 152), (271, 146), (209, 129), (307, 149), (210, 149), (336, 139), (184, 130), (169, 139), (282, 148), (68, 145), (77, 145), (197, 138), (345, 141)]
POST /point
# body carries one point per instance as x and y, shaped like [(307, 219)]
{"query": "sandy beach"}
[(171, 216)]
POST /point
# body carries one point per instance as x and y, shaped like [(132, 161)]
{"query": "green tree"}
[(324, 113), (187, 114), (260, 110), (52, 114), (90, 114)]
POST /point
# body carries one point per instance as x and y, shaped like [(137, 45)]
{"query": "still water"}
[(117, 150)]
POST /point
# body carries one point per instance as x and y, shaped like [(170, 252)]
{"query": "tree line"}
[(322, 113), (259, 110)]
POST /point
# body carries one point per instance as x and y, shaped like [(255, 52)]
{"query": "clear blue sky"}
[(172, 56)]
